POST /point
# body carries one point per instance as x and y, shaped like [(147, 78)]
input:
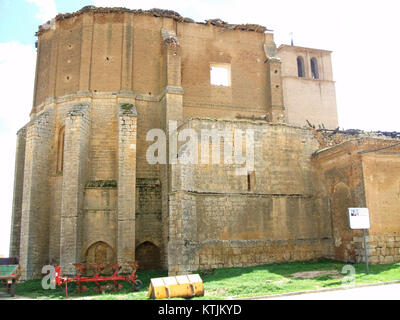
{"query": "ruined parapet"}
[(155, 12), (329, 138)]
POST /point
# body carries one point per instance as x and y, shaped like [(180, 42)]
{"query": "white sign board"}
[(359, 218)]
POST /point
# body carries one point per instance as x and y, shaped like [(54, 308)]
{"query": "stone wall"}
[(381, 249), (234, 253), (96, 208), (217, 221), (75, 176), (126, 206), (363, 173), (34, 238), (381, 173), (148, 212), (18, 193), (99, 221)]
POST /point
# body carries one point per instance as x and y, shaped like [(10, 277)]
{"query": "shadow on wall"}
[(342, 234), (148, 256)]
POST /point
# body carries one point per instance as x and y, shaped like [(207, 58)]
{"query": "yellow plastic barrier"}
[(186, 286)]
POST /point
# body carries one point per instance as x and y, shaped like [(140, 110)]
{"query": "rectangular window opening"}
[(220, 75)]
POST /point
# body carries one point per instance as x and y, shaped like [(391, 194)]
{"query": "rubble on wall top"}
[(155, 12), (328, 138), (331, 132), (245, 27)]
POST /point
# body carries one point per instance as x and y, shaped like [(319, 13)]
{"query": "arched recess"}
[(342, 234), (148, 256), (101, 253)]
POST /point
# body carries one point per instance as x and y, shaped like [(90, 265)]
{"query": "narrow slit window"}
[(251, 179), (300, 67), (220, 75), (60, 150), (314, 68)]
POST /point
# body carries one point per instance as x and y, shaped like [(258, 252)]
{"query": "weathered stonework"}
[(18, 188), (85, 191), (34, 238), (363, 173), (77, 128), (382, 249), (127, 129)]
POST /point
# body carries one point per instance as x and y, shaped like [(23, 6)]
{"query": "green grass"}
[(236, 282)]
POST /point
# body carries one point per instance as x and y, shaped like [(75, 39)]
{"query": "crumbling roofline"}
[(352, 143), (155, 13)]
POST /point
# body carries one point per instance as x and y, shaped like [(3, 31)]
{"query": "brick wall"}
[(124, 51)]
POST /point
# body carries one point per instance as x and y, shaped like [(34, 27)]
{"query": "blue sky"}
[(363, 35), (19, 18)]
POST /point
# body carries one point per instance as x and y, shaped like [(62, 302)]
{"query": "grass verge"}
[(276, 278)]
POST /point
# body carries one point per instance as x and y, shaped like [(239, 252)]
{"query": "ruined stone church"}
[(85, 192)]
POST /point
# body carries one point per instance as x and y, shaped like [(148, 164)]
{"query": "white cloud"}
[(47, 9), (17, 70)]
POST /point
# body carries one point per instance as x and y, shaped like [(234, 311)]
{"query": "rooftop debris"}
[(169, 39), (226, 25), (216, 22), (155, 12), (329, 137)]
